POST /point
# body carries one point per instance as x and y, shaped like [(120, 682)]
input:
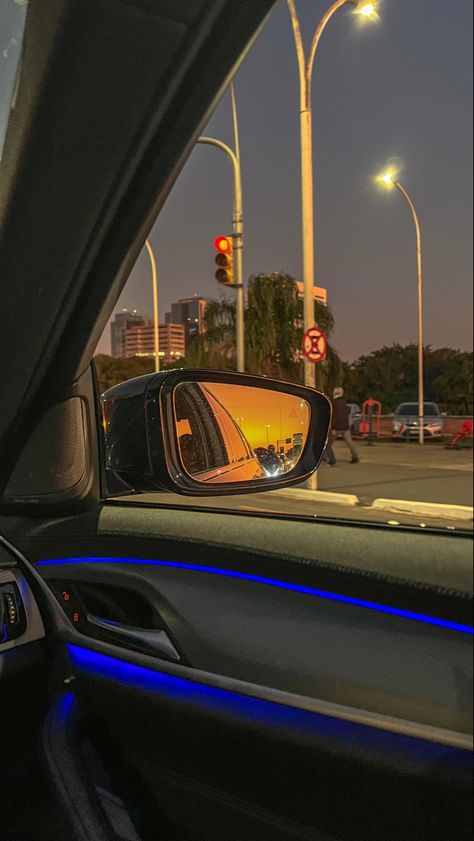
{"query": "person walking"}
[(340, 425)]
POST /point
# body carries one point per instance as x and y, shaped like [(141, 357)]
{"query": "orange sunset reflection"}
[(265, 417)]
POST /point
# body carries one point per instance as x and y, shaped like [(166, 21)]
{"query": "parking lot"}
[(400, 470), (394, 482)]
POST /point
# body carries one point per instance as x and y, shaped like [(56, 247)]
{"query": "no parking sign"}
[(315, 345)]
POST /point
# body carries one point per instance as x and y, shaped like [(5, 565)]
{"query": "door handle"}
[(153, 641)]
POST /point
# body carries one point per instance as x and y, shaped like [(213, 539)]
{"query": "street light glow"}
[(368, 11), (387, 178)]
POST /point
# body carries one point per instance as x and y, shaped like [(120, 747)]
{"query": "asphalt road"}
[(395, 471), (402, 471)]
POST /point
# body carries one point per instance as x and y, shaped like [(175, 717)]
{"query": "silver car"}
[(406, 421)]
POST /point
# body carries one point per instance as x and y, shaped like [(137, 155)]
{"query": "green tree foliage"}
[(215, 348), (449, 376), (113, 370), (273, 333), (391, 376)]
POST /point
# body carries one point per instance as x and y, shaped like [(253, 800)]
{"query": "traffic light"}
[(224, 260)]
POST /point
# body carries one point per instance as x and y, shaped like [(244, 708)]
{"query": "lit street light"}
[(389, 180), (156, 329), (366, 11)]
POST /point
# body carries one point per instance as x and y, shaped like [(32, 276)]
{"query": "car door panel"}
[(263, 615), (280, 692), (309, 768), (260, 630)]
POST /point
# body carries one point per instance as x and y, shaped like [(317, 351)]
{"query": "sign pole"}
[(314, 347)]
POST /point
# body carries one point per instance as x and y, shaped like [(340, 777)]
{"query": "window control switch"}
[(12, 615)]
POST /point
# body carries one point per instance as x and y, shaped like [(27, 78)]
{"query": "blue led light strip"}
[(273, 582), (261, 711)]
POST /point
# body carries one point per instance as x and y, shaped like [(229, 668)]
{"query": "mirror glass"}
[(233, 433)]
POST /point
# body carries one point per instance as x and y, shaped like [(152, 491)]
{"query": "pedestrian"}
[(340, 425)]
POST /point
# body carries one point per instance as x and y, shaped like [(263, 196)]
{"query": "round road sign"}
[(315, 345)]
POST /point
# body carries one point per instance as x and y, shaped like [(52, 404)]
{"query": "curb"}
[(307, 495), (426, 509)]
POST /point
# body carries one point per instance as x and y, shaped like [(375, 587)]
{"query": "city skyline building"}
[(190, 313), (139, 340), (123, 320)]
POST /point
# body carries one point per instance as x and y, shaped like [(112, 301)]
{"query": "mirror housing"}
[(143, 449)]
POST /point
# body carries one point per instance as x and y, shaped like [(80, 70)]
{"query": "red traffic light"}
[(224, 260), (223, 244)]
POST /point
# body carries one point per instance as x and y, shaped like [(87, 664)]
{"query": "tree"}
[(215, 348), (449, 374), (112, 370), (273, 332), (390, 375)]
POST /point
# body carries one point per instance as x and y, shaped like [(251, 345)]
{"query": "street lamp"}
[(366, 11), (389, 180), (156, 329)]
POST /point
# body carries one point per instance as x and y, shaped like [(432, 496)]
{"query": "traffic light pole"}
[(239, 243), (238, 238)]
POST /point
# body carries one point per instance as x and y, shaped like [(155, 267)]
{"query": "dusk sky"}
[(398, 88)]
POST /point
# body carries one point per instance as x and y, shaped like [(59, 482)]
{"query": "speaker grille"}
[(54, 459)]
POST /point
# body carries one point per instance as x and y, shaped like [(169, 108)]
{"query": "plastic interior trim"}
[(261, 711), (274, 582)]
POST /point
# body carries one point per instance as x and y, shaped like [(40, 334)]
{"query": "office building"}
[(122, 322), (190, 313), (140, 341), (320, 294)]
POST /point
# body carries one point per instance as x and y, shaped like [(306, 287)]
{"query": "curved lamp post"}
[(389, 179), (154, 280)]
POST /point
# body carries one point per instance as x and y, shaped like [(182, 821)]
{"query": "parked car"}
[(355, 416), (293, 455), (406, 421)]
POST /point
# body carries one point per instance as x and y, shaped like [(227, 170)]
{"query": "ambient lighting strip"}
[(274, 582), (252, 709)]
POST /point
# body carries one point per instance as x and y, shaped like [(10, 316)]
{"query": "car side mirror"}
[(206, 433)]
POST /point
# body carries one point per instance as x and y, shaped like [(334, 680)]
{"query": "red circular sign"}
[(315, 345)]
